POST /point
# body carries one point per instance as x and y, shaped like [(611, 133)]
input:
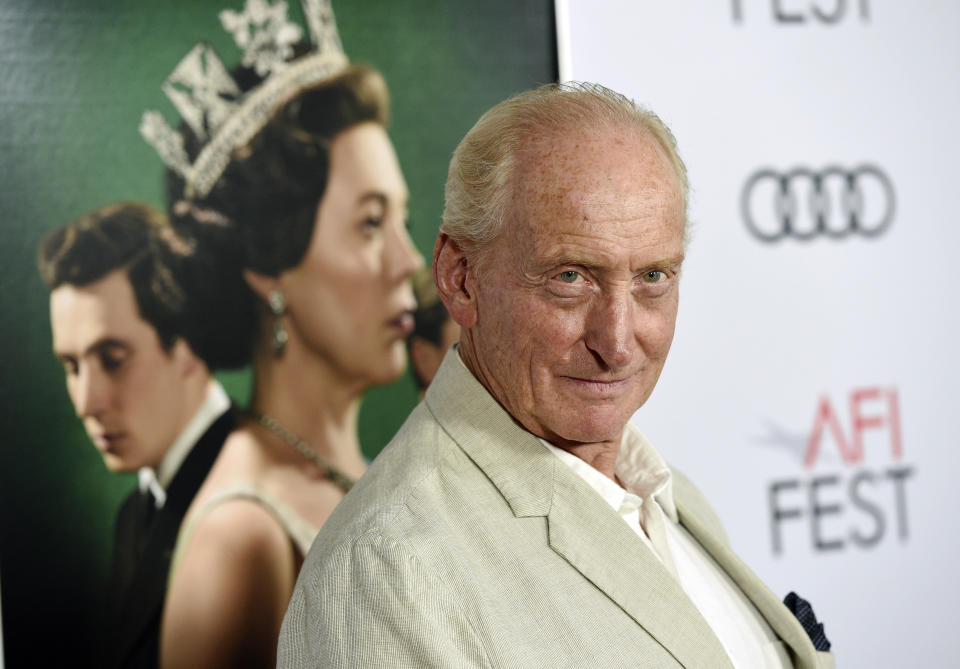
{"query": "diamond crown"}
[(210, 102)]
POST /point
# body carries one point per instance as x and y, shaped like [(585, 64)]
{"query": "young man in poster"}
[(126, 332)]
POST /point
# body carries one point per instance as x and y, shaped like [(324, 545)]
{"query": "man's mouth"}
[(600, 386)]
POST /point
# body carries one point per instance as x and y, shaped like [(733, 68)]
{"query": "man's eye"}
[(372, 222), (569, 276), (69, 366), (112, 362), (653, 276)]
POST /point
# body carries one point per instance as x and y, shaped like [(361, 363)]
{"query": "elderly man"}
[(128, 341), (517, 519)]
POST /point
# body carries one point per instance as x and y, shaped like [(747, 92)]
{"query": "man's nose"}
[(611, 329), (89, 392)]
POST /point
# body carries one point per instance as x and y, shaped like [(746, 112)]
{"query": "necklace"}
[(336, 477)]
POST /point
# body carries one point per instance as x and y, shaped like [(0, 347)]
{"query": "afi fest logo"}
[(859, 506)]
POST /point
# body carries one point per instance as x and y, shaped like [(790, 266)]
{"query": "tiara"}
[(211, 103)]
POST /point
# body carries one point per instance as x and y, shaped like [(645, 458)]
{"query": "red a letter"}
[(826, 416)]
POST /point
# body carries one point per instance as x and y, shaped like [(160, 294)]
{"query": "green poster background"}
[(75, 77)]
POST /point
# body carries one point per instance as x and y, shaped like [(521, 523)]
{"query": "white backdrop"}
[(811, 388)]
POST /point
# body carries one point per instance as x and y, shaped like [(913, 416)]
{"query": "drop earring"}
[(278, 307)]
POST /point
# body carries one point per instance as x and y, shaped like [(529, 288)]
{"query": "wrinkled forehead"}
[(580, 153), (600, 175)]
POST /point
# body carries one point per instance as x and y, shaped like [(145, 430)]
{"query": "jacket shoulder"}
[(410, 466)]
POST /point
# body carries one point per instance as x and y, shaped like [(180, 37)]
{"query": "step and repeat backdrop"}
[(811, 389)]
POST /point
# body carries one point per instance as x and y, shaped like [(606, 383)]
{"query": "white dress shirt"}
[(646, 504), (215, 403)]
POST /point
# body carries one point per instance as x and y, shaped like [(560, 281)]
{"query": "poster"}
[(75, 78)]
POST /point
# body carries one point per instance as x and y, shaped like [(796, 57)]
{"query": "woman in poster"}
[(293, 191)]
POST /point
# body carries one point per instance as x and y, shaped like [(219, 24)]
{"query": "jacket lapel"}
[(784, 624), (143, 603), (597, 543), (582, 528)]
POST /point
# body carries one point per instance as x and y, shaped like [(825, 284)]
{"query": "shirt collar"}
[(644, 472), (215, 403), (641, 470)]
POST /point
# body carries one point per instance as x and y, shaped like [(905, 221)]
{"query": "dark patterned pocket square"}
[(801, 608)]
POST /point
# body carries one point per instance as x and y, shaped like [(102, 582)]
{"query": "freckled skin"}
[(576, 315)]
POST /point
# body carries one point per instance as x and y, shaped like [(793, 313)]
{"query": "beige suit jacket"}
[(469, 544)]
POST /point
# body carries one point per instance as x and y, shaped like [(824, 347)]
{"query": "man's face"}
[(126, 389), (576, 313)]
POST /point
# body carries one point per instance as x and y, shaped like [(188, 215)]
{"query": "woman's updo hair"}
[(271, 189), (265, 202)]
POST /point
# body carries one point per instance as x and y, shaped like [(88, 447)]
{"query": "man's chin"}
[(118, 464), (590, 427)]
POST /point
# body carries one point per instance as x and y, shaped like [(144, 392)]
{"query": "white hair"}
[(480, 179)]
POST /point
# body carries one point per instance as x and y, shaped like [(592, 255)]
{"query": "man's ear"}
[(261, 284), (454, 280)]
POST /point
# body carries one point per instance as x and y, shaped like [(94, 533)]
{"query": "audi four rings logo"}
[(803, 204)]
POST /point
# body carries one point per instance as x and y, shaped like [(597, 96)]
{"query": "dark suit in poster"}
[(141, 557)]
